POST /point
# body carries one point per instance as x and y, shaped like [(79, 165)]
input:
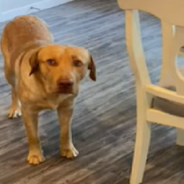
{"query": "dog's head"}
[(61, 68)]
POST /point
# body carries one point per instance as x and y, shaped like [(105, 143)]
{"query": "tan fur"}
[(43, 75)]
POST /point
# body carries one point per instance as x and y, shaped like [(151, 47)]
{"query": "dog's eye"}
[(77, 63), (51, 62)]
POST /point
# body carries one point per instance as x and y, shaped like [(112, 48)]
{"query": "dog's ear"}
[(92, 68), (33, 61)]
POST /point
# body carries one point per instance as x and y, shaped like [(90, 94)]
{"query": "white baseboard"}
[(5, 16)]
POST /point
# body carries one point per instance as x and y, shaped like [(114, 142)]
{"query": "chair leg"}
[(180, 137), (141, 151)]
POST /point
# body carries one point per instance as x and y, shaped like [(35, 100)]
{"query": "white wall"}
[(11, 8), (8, 5)]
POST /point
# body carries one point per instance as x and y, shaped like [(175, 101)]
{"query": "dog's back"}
[(20, 34), (25, 29)]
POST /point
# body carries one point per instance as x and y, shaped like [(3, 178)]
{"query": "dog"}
[(42, 75)]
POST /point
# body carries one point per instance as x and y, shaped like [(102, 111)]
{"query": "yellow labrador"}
[(43, 75)]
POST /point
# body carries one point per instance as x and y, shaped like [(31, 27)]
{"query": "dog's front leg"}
[(30, 119), (66, 145)]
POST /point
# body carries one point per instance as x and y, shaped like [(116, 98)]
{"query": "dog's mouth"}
[(65, 91)]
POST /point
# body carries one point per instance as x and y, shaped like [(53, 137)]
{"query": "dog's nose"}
[(65, 83)]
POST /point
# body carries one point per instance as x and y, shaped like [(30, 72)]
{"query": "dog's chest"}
[(52, 102)]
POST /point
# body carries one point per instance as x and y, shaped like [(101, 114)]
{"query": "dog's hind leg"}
[(14, 110)]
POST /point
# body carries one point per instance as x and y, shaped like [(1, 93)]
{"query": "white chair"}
[(151, 98)]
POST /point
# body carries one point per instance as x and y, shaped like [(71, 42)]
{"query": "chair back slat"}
[(172, 41)]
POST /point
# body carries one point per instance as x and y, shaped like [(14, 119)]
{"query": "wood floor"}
[(104, 119)]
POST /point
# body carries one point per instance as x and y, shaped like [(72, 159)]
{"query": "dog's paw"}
[(69, 152), (35, 157), (14, 112)]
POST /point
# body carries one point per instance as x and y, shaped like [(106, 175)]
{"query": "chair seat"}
[(167, 106)]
